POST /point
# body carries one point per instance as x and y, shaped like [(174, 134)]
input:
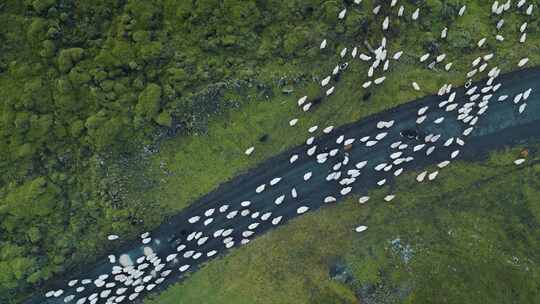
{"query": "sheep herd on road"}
[(130, 277)]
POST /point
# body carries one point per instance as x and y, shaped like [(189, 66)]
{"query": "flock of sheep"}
[(129, 279)]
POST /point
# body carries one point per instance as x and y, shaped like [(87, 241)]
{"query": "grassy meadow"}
[(470, 236), (187, 167)]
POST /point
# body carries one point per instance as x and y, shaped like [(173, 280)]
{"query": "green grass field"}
[(90, 87), (471, 236), (197, 164)]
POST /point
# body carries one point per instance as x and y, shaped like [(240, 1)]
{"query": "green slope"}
[(471, 236)]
